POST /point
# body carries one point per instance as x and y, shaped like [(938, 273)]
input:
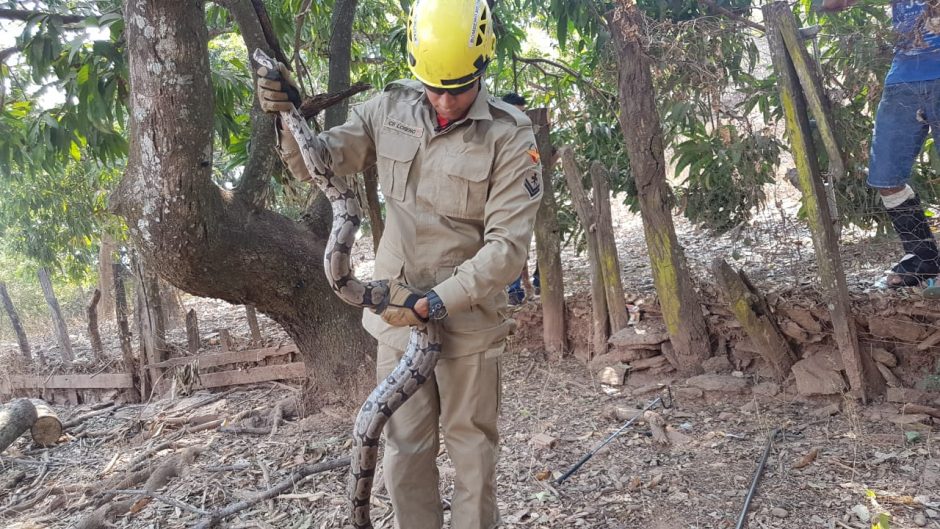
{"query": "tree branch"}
[(733, 16), (5, 54), (567, 69), (27, 15)]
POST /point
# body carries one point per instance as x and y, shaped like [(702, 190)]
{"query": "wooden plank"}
[(607, 249), (863, 376), (253, 376), (102, 380), (221, 359)]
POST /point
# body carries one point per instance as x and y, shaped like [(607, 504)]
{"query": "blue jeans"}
[(516, 292), (906, 113)]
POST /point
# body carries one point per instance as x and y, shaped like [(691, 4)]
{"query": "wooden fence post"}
[(93, 334), (607, 249), (548, 244), (864, 378), (585, 211), (643, 136), (192, 332), (15, 323), (753, 313), (62, 332), (252, 315), (120, 315)]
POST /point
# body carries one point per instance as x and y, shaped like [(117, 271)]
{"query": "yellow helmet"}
[(450, 42)]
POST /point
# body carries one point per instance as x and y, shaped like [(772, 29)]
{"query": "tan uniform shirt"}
[(460, 204)]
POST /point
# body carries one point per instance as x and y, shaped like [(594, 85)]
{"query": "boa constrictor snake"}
[(421, 354)]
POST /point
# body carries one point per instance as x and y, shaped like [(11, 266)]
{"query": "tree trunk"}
[(62, 332), (15, 418), (15, 323), (585, 211), (193, 233), (370, 180), (548, 244), (192, 332), (47, 429), (341, 20), (105, 276), (93, 335), (252, 316), (607, 249), (643, 136)]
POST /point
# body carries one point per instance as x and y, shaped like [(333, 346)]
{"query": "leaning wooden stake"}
[(120, 314), (15, 323), (93, 334), (548, 244), (47, 429), (252, 315), (639, 119), (585, 210), (865, 380), (192, 332), (607, 249), (751, 310), (62, 332), (15, 419)]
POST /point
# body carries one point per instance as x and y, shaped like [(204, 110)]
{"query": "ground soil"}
[(864, 462)]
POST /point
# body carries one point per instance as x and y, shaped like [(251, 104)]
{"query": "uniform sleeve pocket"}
[(394, 156)]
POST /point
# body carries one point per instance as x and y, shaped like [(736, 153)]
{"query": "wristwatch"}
[(436, 308)]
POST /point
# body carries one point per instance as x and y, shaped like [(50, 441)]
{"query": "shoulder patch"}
[(532, 184), (505, 109)]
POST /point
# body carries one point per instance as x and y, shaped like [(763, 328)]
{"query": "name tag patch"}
[(404, 128)]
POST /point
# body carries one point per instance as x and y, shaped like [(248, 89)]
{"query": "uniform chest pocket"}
[(462, 188), (394, 155)]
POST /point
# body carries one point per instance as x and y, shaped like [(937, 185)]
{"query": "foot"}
[(911, 271)]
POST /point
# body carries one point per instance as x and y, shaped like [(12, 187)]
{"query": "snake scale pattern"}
[(423, 350)]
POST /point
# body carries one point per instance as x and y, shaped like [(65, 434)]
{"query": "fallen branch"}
[(218, 515), (169, 501), (75, 421)]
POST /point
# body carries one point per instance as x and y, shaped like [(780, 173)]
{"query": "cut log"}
[(252, 316), (929, 342), (93, 334), (751, 309), (47, 429), (192, 332), (649, 363), (918, 408), (15, 419)]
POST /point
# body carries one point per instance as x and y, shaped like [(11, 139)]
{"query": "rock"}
[(717, 364), (612, 375), (884, 357), (862, 513), (791, 329), (689, 393), (750, 407), (920, 520), (828, 411), (904, 395), (766, 389), (897, 327), (629, 337), (931, 476), (890, 378), (914, 421), (725, 416), (804, 318), (779, 512), (722, 383), (818, 375), (649, 363)]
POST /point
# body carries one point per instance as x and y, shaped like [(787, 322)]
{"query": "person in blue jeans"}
[(908, 111)]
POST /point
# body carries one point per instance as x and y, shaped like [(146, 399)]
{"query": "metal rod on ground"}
[(666, 404), (756, 479)]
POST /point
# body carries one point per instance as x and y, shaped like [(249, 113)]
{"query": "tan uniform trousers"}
[(464, 397)]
